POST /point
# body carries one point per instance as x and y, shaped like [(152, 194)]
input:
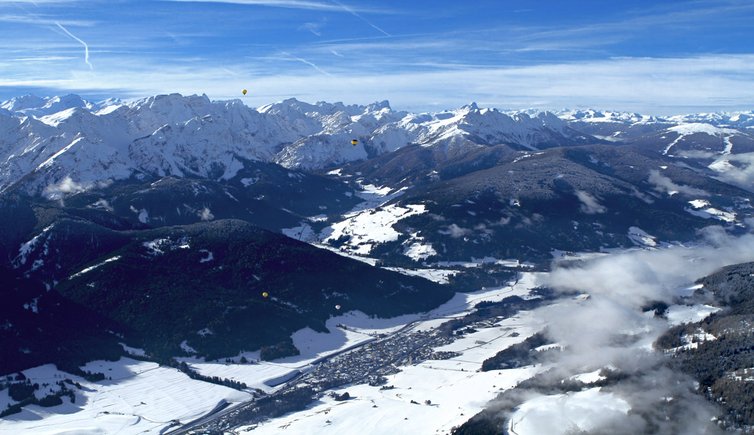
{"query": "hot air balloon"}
[(265, 294), (337, 307), (354, 142), (244, 91)]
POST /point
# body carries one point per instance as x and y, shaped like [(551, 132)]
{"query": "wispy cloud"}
[(74, 37), (351, 11), (590, 38), (42, 21), (649, 85), (589, 204), (42, 59), (36, 2), (306, 62), (382, 44), (664, 184), (291, 4), (676, 15), (313, 28)]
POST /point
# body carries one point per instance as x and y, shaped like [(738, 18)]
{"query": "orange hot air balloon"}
[(354, 142)]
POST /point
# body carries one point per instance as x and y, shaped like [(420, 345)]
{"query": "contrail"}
[(352, 12), (86, 47), (311, 64)]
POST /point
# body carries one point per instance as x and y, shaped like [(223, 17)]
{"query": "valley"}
[(180, 265)]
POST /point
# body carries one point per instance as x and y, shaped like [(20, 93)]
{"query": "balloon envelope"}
[(265, 294), (244, 92)]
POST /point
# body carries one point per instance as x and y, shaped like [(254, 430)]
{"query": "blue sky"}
[(678, 56)]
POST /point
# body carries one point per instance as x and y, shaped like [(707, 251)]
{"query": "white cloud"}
[(736, 169), (455, 231), (68, 186), (65, 186), (666, 185), (205, 214), (589, 204), (635, 278), (610, 329)]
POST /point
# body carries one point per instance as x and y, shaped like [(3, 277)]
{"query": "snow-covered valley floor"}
[(429, 397), (350, 330), (143, 397)]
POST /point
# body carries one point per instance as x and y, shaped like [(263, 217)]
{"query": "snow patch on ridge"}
[(26, 248), (91, 268), (698, 127), (641, 238)]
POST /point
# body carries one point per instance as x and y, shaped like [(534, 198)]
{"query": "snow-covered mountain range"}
[(59, 137), (71, 144), (163, 229)]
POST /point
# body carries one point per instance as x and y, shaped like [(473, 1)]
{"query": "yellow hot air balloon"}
[(354, 142), (244, 91), (265, 294)]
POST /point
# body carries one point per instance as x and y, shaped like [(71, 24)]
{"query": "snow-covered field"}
[(371, 227), (141, 397), (437, 275), (679, 314), (455, 389), (368, 224), (568, 413), (454, 397)]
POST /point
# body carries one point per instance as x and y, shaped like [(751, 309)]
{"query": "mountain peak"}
[(470, 107), (27, 101), (378, 105)]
